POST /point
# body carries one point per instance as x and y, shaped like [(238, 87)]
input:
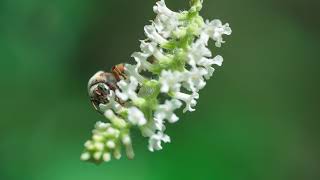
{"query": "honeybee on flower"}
[(178, 62)]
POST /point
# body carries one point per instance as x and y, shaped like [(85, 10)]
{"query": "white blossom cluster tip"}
[(172, 67), (106, 141)]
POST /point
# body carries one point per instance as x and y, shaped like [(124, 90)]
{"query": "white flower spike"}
[(171, 68)]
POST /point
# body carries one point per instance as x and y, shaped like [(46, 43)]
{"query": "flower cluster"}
[(106, 140), (171, 68)]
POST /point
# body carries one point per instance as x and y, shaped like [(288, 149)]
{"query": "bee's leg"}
[(94, 104)]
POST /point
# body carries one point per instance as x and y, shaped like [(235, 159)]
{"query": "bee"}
[(101, 83)]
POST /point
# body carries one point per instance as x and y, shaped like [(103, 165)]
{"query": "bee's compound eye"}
[(103, 86)]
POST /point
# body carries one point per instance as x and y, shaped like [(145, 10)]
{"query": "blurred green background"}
[(256, 119)]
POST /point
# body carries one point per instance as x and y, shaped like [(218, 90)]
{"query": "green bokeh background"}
[(256, 119)]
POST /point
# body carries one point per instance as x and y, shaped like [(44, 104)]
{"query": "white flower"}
[(152, 49), (136, 117), (166, 111), (156, 139), (218, 60), (195, 81), (161, 8), (166, 25), (204, 37), (190, 100), (133, 71), (148, 49), (117, 153), (215, 29), (128, 89), (170, 81), (159, 124), (99, 145), (126, 140), (112, 132), (207, 63), (101, 126), (151, 32), (149, 129), (166, 21), (106, 157), (141, 59), (199, 55), (85, 156), (97, 155), (117, 121), (89, 145), (103, 142), (197, 51), (111, 144), (103, 130)]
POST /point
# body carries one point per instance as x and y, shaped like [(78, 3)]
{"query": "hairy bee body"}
[(101, 83)]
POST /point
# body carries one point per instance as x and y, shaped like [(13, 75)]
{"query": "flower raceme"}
[(174, 60)]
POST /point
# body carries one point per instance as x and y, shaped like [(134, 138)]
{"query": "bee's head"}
[(99, 94), (103, 88)]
